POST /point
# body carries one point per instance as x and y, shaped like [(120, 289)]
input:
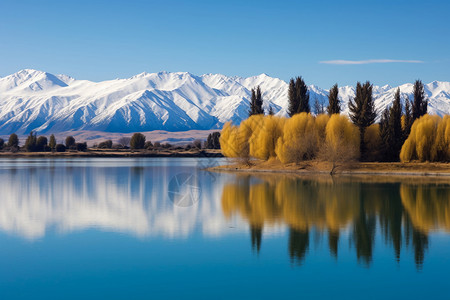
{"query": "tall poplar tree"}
[(334, 105), (362, 111), (293, 101), (301, 90), (408, 119), (391, 129), (256, 102), (298, 96), (52, 142), (420, 104)]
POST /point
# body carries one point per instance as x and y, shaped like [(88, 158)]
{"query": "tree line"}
[(137, 141), (403, 133)]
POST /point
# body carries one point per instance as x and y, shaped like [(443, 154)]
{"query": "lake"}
[(152, 228)]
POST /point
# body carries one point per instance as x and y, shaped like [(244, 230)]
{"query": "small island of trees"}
[(402, 133)]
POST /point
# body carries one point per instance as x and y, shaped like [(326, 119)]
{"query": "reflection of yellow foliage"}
[(428, 206), (428, 140), (255, 203), (299, 204)]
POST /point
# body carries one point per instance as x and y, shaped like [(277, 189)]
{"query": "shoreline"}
[(113, 153), (355, 169)]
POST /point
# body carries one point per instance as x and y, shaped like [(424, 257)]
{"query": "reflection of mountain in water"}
[(110, 196), (402, 213), (132, 197)]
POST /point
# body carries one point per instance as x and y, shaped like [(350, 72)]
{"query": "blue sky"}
[(99, 40)]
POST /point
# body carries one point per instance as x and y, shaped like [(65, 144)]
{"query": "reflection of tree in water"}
[(298, 244), (403, 213), (333, 242), (256, 235)]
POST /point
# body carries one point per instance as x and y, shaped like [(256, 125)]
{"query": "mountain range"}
[(32, 100)]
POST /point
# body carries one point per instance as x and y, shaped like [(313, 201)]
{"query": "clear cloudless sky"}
[(100, 40)]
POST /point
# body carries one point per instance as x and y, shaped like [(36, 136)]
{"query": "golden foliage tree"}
[(299, 140), (341, 142), (441, 148), (321, 125), (428, 140), (373, 141), (227, 136), (265, 135)]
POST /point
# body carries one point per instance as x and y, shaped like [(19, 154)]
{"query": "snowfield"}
[(47, 103)]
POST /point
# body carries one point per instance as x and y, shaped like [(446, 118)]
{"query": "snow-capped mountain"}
[(43, 102)]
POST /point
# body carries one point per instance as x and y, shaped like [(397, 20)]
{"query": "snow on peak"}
[(36, 100)]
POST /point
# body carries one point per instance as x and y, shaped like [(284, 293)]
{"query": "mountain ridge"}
[(173, 101)]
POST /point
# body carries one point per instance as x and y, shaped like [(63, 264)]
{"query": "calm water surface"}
[(152, 228)]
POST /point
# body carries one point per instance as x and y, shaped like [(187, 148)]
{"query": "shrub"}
[(81, 146), (124, 141), (105, 144), (41, 143), (70, 142), (137, 141), (60, 148), (197, 144), (148, 145)]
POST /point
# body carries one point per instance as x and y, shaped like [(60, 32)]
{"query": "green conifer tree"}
[(301, 90), (256, 102), (292, 96), (420, 104), (391, 129), (408, 119), (334, 105), (362, 111)]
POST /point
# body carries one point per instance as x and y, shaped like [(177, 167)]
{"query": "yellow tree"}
[(264, 140), (373, 141), (299, 140), (341, 141), (425, 140)]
